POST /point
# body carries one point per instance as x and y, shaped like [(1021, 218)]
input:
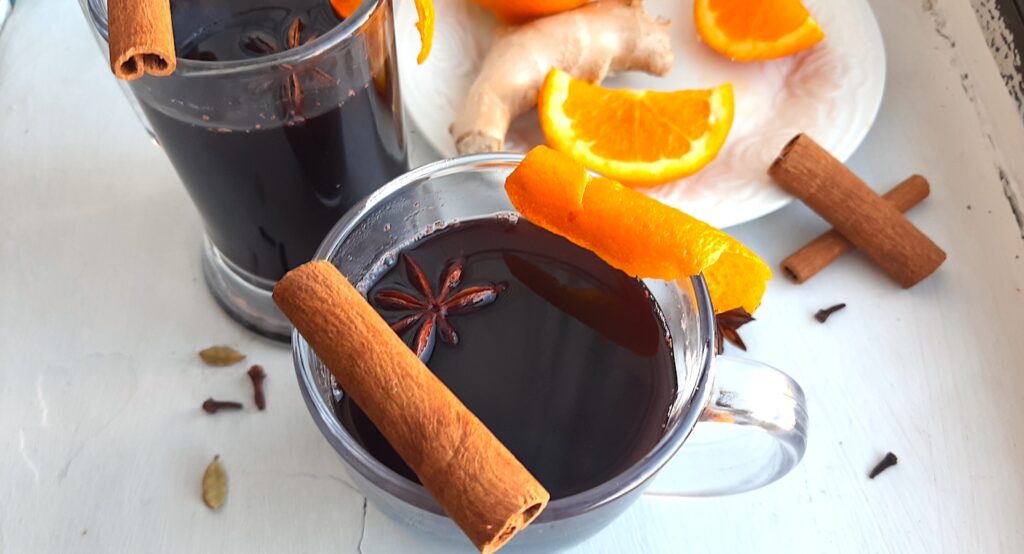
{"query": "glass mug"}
[(744, 424), (272, 149)]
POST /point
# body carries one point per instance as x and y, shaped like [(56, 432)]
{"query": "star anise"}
[(432, 310), (291, 90), (728, 323)]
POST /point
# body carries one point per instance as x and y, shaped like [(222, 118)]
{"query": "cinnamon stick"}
[(141, 38), (831, 245), (484, 489), (870, 223)]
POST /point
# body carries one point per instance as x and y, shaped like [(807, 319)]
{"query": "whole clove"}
[(257, 375), (888, 461), (823, 314), (212, 406)]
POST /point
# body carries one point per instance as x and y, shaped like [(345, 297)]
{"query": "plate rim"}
[(854, 140)]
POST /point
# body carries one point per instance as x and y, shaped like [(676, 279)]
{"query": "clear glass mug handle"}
[(752, 432)]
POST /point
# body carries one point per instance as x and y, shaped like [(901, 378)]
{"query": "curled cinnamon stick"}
[(809, 172), (831, 245), (484, 489), (141, 38)]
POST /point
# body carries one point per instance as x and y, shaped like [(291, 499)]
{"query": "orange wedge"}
[(632, 231), (638, 137), (424, 24), (520, 11), (748, 30)]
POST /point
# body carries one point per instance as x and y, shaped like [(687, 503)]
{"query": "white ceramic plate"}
[(831, 92)]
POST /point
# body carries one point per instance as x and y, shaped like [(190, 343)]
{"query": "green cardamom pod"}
[(221, 355), (215, 484)]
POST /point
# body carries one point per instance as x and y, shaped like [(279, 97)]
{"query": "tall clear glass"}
[(277, 121)]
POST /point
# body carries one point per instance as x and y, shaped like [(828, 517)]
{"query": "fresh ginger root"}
[(587, 43)]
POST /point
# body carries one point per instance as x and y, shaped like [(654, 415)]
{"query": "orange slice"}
[(424, 23), (638, 137), (520, 11), (632, 231), (748, 30)]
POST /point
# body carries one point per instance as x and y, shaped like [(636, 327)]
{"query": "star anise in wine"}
[(291, 90), (728, 324), (432, 311)]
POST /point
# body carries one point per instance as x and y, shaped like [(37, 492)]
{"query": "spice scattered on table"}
[(212, 406), (872, 224), (221, 355), (824, 313), (830, 246), (728, 323), (257, 375), (215, 484), (888, 461)]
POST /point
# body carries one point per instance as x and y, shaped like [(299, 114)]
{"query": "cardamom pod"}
[(221, 355), (215, 484)]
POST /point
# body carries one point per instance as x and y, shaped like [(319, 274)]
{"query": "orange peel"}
[(425, 25), (634, 232)]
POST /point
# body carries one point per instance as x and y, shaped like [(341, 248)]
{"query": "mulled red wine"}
[(273, 156), (564, 358)]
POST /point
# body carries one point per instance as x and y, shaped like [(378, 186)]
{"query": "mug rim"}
[(414, 494), (341, 33)]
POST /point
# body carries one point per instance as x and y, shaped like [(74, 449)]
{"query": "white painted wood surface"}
[(102, 443)]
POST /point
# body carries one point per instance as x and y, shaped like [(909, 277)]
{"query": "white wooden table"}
[(102, 309)]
